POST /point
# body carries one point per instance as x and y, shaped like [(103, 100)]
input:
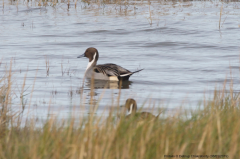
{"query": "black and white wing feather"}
[(110, 69), (122, 71), (107, 69)]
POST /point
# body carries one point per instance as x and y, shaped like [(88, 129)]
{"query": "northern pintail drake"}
[(131, 106), (107, 71)]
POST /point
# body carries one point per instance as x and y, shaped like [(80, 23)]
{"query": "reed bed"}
[(151, 10), (154, 11), (213, 129)]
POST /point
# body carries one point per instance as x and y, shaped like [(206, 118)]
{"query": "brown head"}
[(131, 105), (91, 53)]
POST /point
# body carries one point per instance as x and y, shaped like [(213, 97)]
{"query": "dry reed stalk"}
[(219, 132), (224, 20), (40, 3), (68, 4), (62, 67), (119, 93), (5, 101), (32, 90), (92, 91), (22, 91), (150, 14), (220, 17), (47, 65), (9, 84), (45, 3), (99, 4), (234, 141), (1, 62)]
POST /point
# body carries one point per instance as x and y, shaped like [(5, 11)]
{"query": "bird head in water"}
[(131, 105)]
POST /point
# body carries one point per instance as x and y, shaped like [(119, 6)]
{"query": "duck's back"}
[(110, 69), (142, 116), (146, 115)]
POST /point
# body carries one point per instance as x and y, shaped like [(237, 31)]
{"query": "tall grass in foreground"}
[(212, 130)]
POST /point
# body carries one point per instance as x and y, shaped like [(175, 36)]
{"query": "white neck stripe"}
[(131, 107), (90, 63)]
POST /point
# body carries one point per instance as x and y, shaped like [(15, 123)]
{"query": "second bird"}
[(107, 71)]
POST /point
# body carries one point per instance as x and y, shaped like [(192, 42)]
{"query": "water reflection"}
[(103, 84), (90, 93)]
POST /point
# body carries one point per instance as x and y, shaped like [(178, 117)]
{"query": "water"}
[(180, 46)]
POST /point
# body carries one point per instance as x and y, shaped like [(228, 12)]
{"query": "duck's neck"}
[(92, 63), (132, 109)]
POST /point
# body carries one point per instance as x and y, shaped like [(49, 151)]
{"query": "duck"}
[(108, 71), (131, 106)]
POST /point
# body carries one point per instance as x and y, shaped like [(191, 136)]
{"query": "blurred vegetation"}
[(212, 129)]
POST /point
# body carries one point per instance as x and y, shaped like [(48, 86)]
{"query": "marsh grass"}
[(213, 129), (154, 11)]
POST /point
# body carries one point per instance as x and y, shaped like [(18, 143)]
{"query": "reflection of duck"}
[(103, 84), (131, 106), (107, 71)]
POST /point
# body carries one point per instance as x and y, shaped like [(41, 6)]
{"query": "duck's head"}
[(131, 105), (91, 53)]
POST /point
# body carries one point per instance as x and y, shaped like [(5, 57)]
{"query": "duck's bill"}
[(80, 56)]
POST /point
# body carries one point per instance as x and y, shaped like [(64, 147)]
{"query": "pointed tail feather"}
[(129, 74), (137, 71)]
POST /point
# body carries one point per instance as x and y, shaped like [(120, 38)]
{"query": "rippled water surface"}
[(179, 44)]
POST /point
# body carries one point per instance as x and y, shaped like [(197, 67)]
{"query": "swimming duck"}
[(131, 106), (107, 71)]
